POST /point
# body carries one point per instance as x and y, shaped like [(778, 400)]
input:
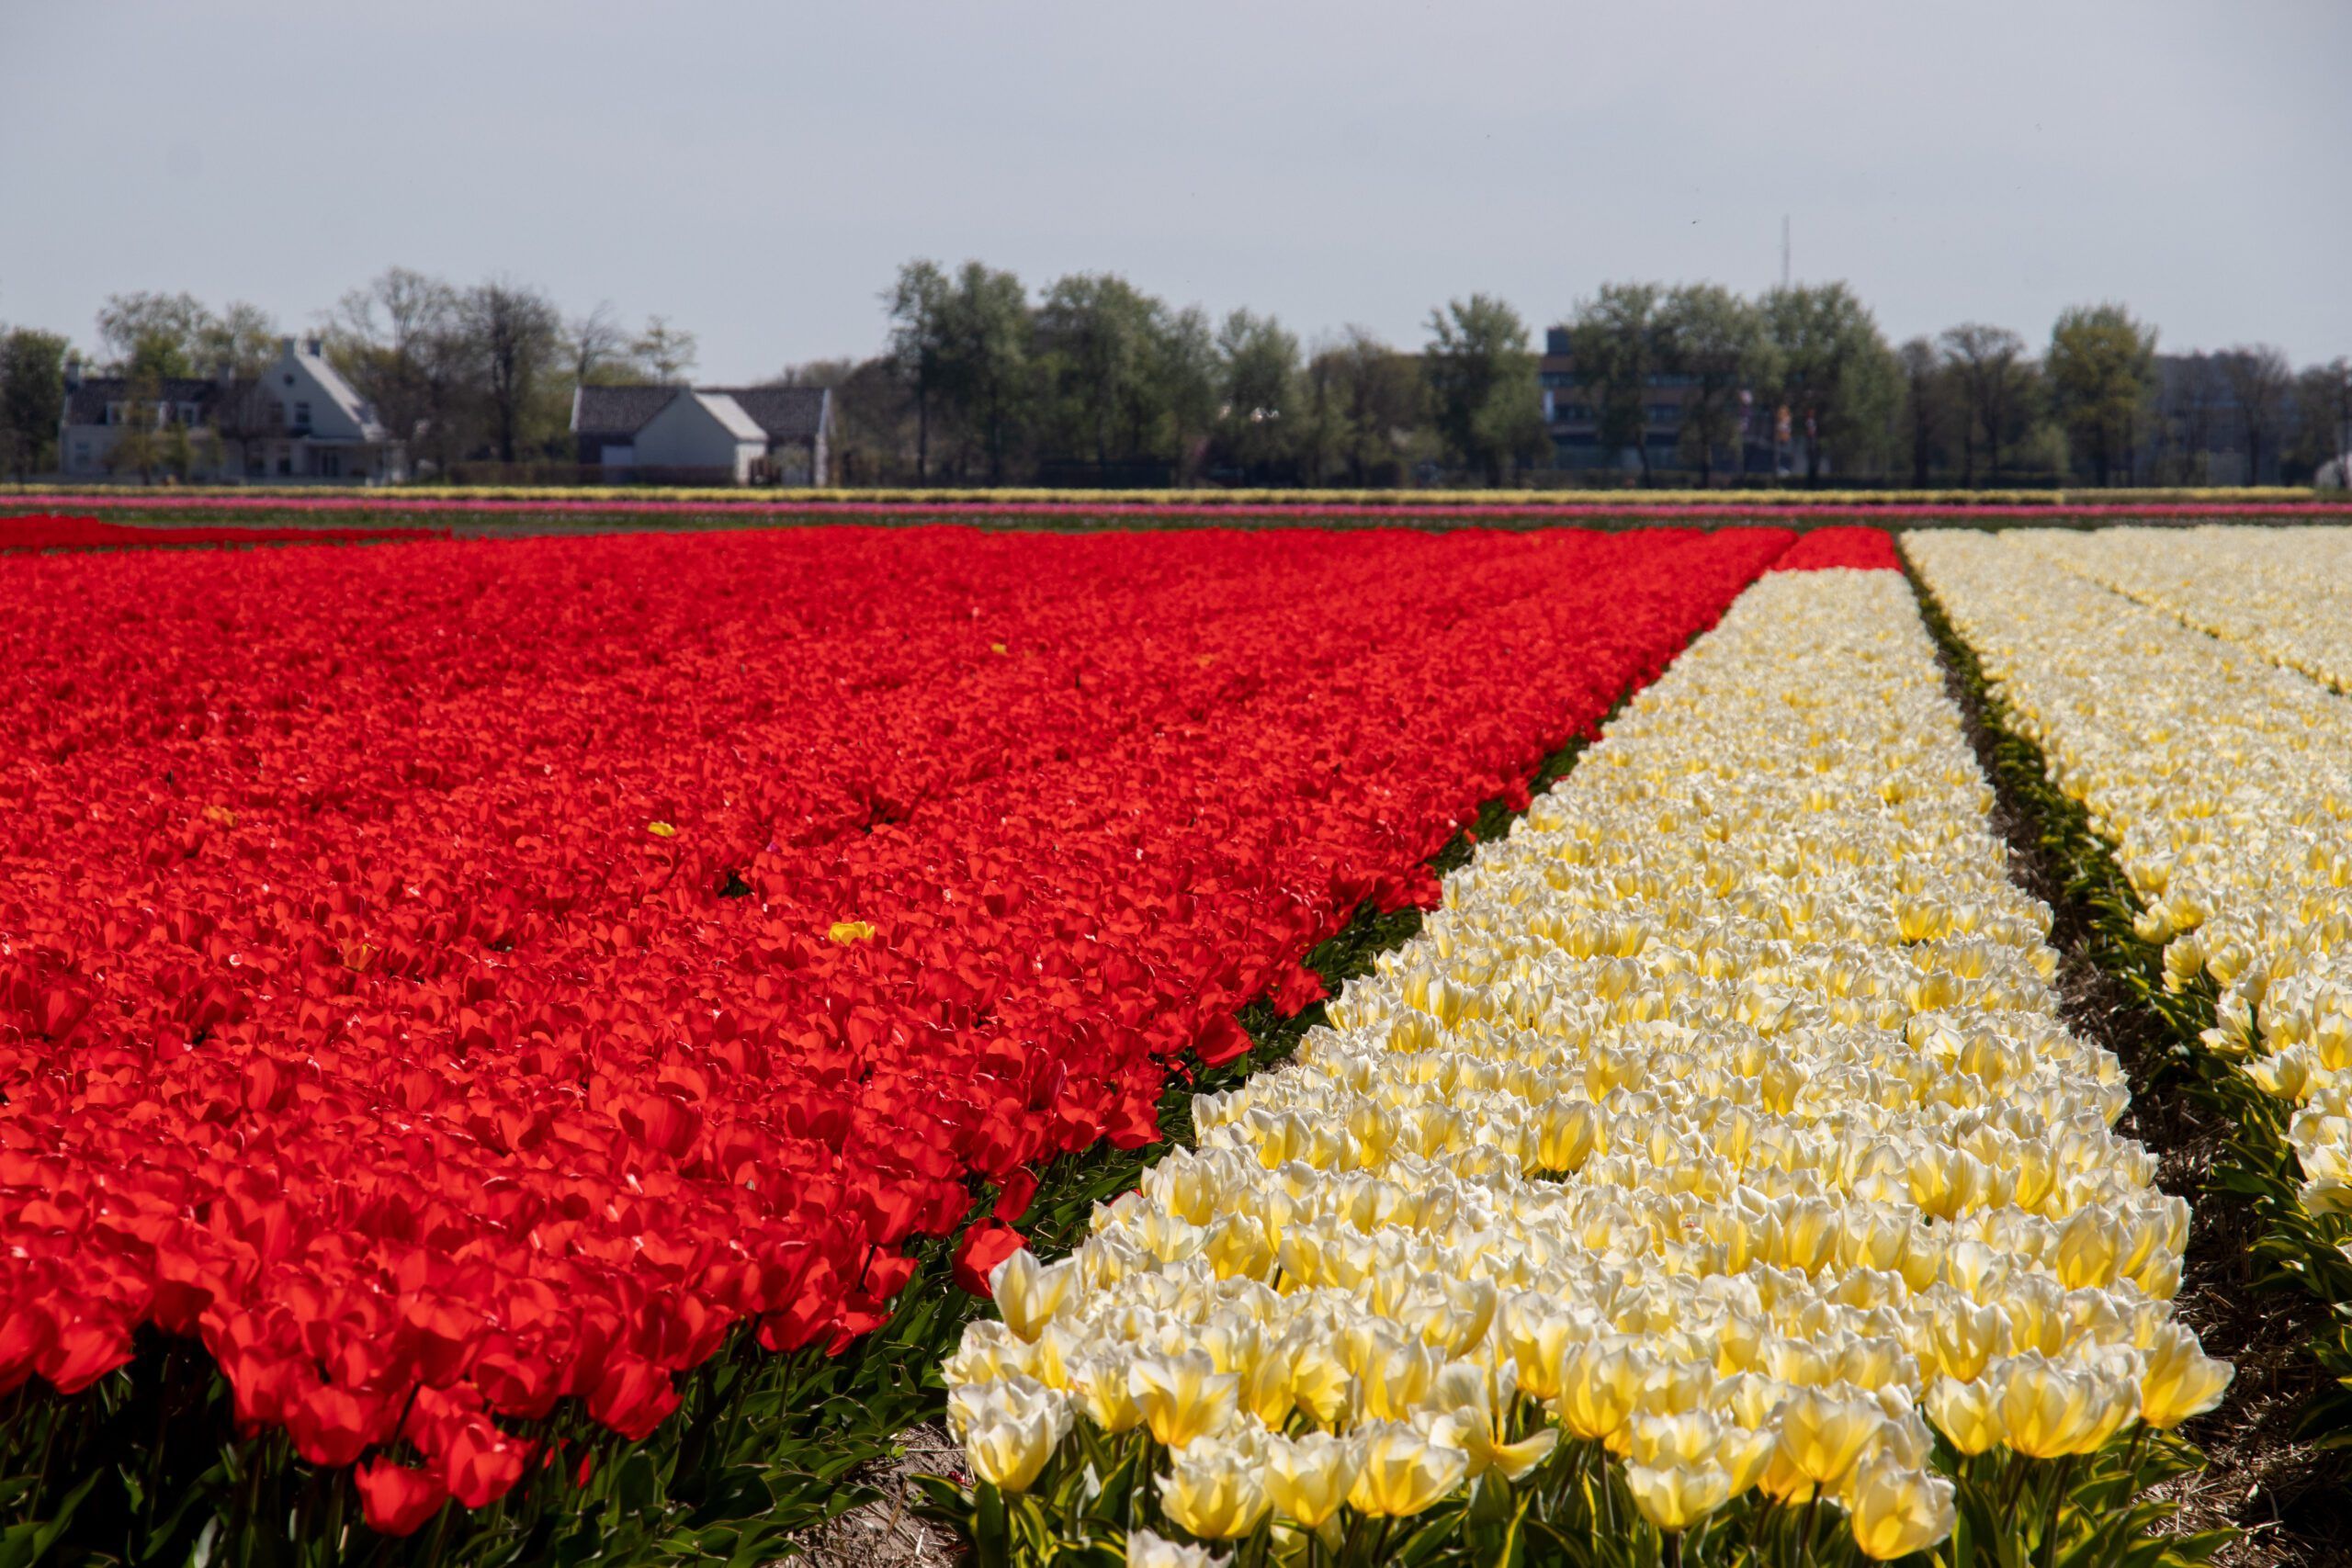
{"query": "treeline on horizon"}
[(1093, 381)]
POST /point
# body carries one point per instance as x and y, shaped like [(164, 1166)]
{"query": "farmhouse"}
[(299, 420), (778, 435)]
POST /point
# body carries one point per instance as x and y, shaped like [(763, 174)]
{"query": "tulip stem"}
[(2057, 1510)]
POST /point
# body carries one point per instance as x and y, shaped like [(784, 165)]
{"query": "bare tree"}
[(512, 333), (595, 342), (668, 352), (400, 341), (2259, 379), (1989, 364)]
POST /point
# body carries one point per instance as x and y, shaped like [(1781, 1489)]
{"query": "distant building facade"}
[(299, 420), (1572, 419), (744, 435)]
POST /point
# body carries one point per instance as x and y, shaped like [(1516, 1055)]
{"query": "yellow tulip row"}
[(1719, 1124), (2283, 593), (2223, 781)]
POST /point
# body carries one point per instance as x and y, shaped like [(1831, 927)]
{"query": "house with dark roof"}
[(775, 436), (299, 420)]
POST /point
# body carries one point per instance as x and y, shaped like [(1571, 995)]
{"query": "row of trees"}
[(1972, 406), (1095, 379), (1091, 379)]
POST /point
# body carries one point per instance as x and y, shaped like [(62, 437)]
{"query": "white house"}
[(299, 420), (705, 434), (698, 433)]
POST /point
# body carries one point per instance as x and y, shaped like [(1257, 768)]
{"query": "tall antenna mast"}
[(1784, 249)]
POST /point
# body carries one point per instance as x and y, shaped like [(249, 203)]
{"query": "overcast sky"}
[(757, 171)]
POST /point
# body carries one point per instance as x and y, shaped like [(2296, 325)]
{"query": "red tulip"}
[(983, 1248)]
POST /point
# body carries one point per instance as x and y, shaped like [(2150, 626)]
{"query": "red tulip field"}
[(459, 999)]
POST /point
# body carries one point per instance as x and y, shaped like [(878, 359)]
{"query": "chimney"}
[(224, 374), (310, 347), (286, 346), (74, 373)]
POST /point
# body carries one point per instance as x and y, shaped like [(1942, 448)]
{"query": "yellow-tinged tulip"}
[(2090, 1245), (1962, 1337), (1675, 1496), (1106, 1394), (1184, 1397), (1822, 1434), (2046, 1411), (1008, 1449), (1964, 1413), (1395, 1377), (1599, 1385), (1307, 1478), (1898, 1510), (1320, 1383), (1404, 1473), (1535, 1341), (1668, 1441), (847, 932), (1213, 1492), (2178, 1380), (1028, 1292)]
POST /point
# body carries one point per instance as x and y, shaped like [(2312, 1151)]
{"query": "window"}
[(301, 416), (114, 414), (290, 379), (188, 414)]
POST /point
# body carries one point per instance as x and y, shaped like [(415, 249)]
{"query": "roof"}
[(785, 412), (729, 413), (781, 413), (87, 404), (355, 407), (618, 411)]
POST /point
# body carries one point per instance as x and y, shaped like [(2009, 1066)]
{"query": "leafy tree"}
[(513, 335), (241, 337), (667, 353), (1189, 375), (163, 335), (1832, 370), (1369, 403), (983, 347), (1990, 370), (1488, 410), (1714, 340), (918, 309), (2102, 371), (152, 334), (2258, 380), (1259, 363), (1097, 332), (1620, 352), (32, 397)]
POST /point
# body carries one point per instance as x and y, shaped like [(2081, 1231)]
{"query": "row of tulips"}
[(1712, 1182), (2221, 780), (467, 987), (2283, 593), (52, 531)]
